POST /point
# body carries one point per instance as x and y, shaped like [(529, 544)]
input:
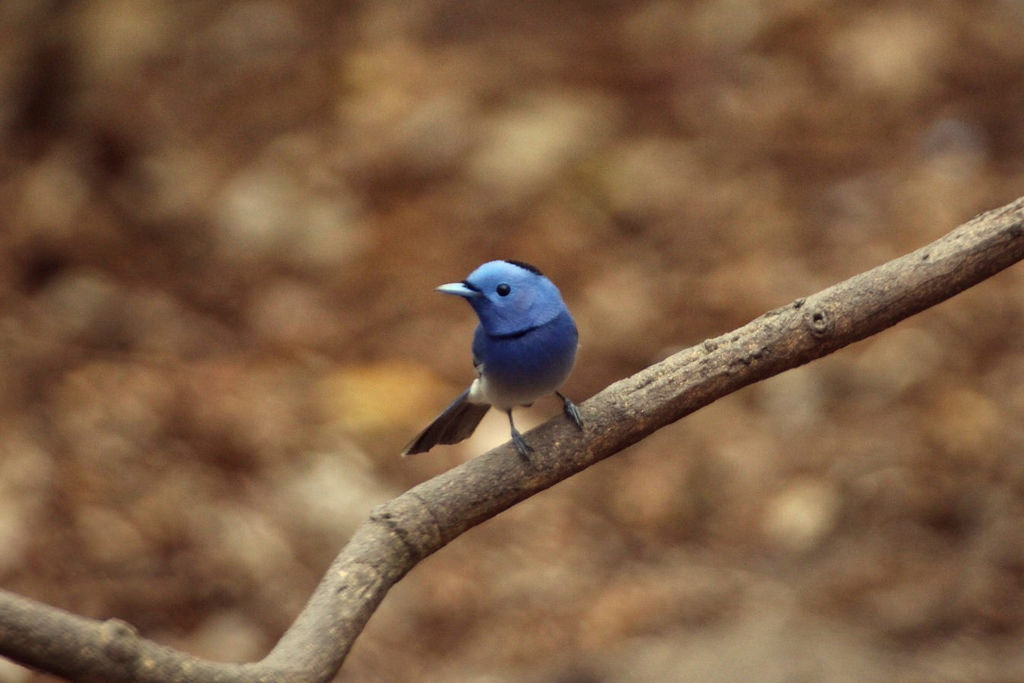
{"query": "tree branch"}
[(410, 527)]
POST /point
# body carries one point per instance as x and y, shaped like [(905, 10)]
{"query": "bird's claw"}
[(572, 411), (524, 449)]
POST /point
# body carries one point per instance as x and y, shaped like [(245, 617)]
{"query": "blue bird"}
[(523, 348)]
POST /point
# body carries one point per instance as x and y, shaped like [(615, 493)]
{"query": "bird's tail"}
[(456, 423)]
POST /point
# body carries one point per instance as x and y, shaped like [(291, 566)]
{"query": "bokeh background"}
[(220, 227)]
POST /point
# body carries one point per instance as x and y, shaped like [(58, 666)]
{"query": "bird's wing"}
[(479, 346)]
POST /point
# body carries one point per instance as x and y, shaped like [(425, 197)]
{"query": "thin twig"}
[(410, 527)]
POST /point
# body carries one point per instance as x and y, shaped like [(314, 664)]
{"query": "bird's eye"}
[(503, 289)]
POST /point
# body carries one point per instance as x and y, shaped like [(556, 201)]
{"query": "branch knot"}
[(819, 321), (120, 640)]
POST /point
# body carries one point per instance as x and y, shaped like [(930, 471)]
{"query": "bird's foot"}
[(571, 410), (524, 449)]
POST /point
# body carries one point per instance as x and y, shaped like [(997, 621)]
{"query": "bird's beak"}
[(459, 289)]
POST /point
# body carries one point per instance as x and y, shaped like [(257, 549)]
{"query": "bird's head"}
[(509, 296)]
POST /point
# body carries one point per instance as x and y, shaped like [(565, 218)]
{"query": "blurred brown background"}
[(221, 227)]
